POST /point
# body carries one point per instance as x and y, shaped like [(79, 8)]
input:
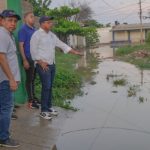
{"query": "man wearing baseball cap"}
[(43, 43), (9, 75)]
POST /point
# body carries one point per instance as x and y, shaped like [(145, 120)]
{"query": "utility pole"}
[(141, 24)]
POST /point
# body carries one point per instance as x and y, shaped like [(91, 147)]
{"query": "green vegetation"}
[(132, 91), (142, 99), (93, 23), (68, 80), (138, 55), (148, 38), (120, 82)]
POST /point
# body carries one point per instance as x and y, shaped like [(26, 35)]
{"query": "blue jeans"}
[(47, 78), (6, 107)]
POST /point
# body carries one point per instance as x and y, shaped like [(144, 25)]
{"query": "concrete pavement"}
[(35, 133)]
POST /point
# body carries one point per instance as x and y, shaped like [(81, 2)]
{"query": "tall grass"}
[(131, 48)]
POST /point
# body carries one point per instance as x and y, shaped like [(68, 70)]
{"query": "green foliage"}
[(65, 27), (93, 23), (120, 82), (126, 54), (130, 49), (63, 12), (148, 38), (40, 6), (91, 36)]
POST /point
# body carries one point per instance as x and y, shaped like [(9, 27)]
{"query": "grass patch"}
[(126, 54), (142, 99), (120, 82), (132, 91), (131, 48)]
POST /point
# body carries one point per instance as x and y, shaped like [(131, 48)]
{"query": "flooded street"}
[(111, 116)]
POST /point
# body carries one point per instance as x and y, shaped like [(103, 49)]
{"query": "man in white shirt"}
[(43, 43)]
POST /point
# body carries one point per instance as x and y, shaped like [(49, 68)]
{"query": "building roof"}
[(129, 27)]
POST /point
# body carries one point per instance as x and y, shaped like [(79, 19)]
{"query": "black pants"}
[(30, 77)]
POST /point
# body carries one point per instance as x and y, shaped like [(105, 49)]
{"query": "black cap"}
[(45, 18), (10, 13)]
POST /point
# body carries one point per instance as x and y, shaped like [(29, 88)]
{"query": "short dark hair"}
[(27, 13)]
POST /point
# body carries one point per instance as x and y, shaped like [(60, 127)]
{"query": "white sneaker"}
[(45, 115), (52, 111)]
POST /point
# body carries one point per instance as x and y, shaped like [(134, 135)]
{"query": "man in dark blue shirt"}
[(24, 36)]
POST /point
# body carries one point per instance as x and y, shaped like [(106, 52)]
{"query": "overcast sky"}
[(105, 11)]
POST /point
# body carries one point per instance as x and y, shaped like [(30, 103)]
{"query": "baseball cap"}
[(10, 13), (45, 18)]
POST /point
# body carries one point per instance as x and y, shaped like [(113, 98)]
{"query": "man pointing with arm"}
[(43, 43)]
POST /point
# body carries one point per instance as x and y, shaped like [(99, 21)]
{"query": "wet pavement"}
[(109, 118), (35, 133)]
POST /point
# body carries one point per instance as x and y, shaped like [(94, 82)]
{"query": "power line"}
[(108, 4), (120, 8)]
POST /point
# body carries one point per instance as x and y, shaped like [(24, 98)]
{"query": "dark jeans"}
[(6, 107), (30, 77), (47, 78)]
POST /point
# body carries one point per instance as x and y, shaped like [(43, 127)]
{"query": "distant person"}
[(24, 36), (43, 43), (9, 75)]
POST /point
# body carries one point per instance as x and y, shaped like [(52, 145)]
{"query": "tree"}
[(40, 6), (85, 11), (66, 27), (93, 23)]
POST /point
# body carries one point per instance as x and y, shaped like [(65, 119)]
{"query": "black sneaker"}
[(36, 100), (16, 106), (9, 143), (14, 117)]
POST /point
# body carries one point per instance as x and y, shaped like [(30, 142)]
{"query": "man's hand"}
[(13, 85), (26, 64), (44, 65), (76, 52)]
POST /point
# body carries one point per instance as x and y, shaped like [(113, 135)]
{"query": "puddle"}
[(108, 119)]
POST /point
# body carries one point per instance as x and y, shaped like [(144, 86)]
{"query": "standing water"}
[(114, 113)]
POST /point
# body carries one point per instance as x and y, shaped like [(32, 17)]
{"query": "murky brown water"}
[(108, 119)]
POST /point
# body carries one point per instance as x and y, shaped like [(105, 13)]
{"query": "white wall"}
[(105, 36)]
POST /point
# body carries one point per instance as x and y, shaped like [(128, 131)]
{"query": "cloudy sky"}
[(105, 11)]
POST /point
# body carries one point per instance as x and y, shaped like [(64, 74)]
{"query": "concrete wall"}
[(77, 41), (105, 36), (3, 5)]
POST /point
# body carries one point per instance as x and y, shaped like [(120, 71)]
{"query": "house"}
[(130, 32)]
